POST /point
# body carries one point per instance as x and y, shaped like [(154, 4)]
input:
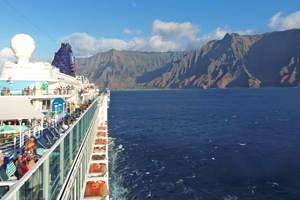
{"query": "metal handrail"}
[(35, 92), (32, 170), (78, 157)]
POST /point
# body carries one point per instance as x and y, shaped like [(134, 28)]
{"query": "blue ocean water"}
[(216, 144)]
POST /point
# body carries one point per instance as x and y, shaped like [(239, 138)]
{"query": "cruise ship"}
[(53, 129)]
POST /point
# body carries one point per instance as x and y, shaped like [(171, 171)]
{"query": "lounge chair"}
[(51, 136), (54, 133), (47, 136), (10, 169), (42, 143), (40, 151)]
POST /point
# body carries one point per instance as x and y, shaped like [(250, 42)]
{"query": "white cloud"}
[(274, 21), (131, 32), (173, 29), (285, 22), (165, 36), (110, 43), (184, 35), (217, 34), (86, 45), (138, 44), (158, 44), (7, 54), (195, 43), (291, 21), (245, 32), (83, 44)]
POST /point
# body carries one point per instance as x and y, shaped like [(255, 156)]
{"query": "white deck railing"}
[(47, 177)]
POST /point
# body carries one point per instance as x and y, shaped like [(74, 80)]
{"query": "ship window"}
[(46, 104)]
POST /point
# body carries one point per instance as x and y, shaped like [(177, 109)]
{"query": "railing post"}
[(61, 163), (78, 136), (15, 196), (81, 179), (71, 144), (46, 179)]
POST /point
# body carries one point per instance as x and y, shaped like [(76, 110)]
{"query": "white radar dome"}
[(23, 46)]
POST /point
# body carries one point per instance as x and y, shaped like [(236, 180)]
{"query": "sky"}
[(93, 26)]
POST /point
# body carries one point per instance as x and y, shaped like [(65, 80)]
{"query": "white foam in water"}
[(194, 176), (117, 191), (179, 181), (275, 184), (229, 197), (162, 168), (187, 190), (150, 194)]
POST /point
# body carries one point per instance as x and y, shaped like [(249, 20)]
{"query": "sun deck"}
[(63, 170)]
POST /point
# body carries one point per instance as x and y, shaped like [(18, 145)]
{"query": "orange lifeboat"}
[(96, 188), (103, 134), (98, 168), (98, 157), (101, 128), (101, 149), (100, 141)]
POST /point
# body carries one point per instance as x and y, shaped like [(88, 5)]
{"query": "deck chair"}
[(42, 143), (51, 136), (46, 140), (54, 133), (56, 130), (47, 137), (10, 169), (40, 151)]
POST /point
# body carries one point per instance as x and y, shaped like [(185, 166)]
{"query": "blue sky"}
[(93, 26)]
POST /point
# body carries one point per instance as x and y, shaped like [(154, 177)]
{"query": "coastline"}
[(174, 89)]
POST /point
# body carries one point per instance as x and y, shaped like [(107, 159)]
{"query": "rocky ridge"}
[(262, 60)]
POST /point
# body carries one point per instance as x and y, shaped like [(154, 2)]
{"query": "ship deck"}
[(64, 170)]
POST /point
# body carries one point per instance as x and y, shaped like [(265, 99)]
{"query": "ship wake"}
[(116, 180)]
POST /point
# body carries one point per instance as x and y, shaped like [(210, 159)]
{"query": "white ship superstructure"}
[(50, 127)]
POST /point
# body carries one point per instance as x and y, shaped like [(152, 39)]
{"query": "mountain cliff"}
[(265, 60), (124, 69)]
